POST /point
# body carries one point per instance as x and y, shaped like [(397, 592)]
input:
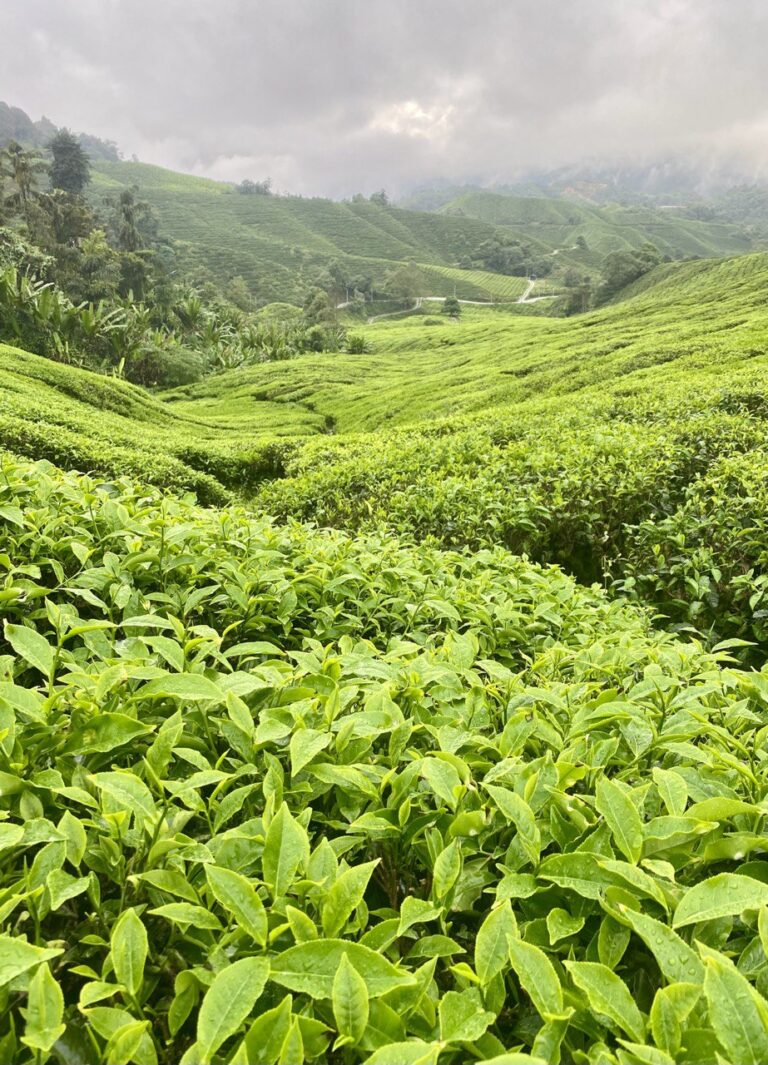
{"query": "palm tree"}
[(22, 167)]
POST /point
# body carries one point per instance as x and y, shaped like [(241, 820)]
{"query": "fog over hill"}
[(335, 99)]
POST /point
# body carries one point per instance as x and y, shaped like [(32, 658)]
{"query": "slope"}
[(277, 243), (557, 225)]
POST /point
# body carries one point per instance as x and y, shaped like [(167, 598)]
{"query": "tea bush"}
[(275, 794)]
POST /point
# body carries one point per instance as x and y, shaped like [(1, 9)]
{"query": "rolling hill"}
[(366, 757), (557, 224), (280, 243)]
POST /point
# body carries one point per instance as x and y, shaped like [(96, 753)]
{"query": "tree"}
[(452, 307), (238, 292), (380, 198), (22, 167), (403, 282), (71, 168), (319, 308), (255, 188), (621, 268)]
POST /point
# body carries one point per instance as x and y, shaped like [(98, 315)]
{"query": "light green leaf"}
[(345, 895), (609, 995), (185, 914), (125, 1044), (720, 896), (311, 968), (189, 687), (129, 948), (537, 976), (491, 943), (264, 1039), (442, 778), (669, 1012), (462, 1016), (350, 1002), (31, 646), (672, 789), (240, 900), (522, 817), (304, 746), (45, 1010), (292, 1050), (447, 869), (228, 1002), (286, 849), (620, 813), (737, 1012), (560, 924), (128, 791), (414, 1052), (17, 957)]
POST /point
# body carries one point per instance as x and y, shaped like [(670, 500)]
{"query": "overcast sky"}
[(336, 96)]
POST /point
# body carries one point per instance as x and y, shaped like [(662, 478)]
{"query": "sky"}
[(332, 97)]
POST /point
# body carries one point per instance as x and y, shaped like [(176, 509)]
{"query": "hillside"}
[(354, 762), (557, 225), (279, 243), (556, 437)]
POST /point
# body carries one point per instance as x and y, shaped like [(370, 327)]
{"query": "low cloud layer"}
[(335, 96)]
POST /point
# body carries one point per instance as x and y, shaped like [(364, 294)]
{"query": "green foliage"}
[(270, 791), (70, 167)]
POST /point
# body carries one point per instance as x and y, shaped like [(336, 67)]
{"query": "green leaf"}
[(675, 958), (124, 1045), (560, 924), (128, 791), (105, 733), (228, 1002), (537, 976), (462, 1016), (609, 995), (345, 895), (669, 1012), (189, 687), (620, 813), (737, 1012), (264, 1039), (447, 869), (129, 948), (31, 646), (45, 1010), (414, 1052), (350, 1002), (304, 746), (17, 957), (522, 817), (185, 914), (442, 778), (491, 943), (292, 1050), (720, 896), (311, 968), (286, 849), (240, 900)]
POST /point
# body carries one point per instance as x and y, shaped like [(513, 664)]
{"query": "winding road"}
[(526, 297)]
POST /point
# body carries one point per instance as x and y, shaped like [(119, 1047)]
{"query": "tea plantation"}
[(351, 759)]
